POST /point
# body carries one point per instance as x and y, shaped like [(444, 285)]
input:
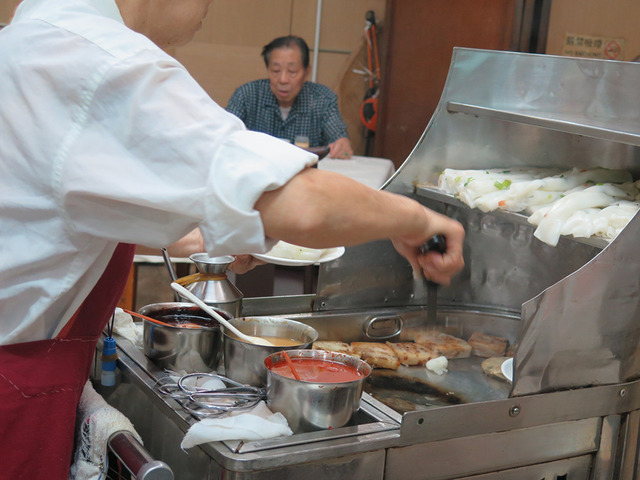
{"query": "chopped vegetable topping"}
[(502, 185), (469, 180)]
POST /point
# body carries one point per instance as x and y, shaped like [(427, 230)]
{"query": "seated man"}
[(285, 105)]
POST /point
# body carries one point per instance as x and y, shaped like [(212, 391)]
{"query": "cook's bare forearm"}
[(322, 209)]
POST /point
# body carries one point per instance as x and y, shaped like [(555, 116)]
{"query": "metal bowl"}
[(310, 406), (179, 348), (244, 362)]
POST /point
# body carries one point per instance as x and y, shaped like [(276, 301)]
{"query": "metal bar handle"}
[(136, 458), (566, 126)]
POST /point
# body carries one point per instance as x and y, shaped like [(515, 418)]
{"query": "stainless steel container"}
[(197, 349), (212, 285), (244, 362), (310, 406)]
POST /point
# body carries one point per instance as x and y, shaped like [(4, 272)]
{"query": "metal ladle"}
[(172, 273), (243, 336)]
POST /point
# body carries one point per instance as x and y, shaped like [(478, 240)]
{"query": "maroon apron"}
[(41, 383)]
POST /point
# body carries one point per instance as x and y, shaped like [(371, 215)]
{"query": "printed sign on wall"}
[(592, 47)]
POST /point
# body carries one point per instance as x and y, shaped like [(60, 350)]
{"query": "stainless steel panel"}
[(605, 463), (570, 469), (505, 267), (514, 413), (628, 451), (465, 456), (365, 466), (560, 125), (594, 94), (266, 306), (584, 330)]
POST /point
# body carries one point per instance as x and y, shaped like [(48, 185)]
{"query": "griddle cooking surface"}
[(415, 388)]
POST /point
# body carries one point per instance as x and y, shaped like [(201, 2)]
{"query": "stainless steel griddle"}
[(573, 411)]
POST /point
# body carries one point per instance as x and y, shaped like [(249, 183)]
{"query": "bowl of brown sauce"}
[(244, 362)]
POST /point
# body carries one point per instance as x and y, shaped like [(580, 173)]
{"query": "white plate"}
[(328, 255), (507, 369)]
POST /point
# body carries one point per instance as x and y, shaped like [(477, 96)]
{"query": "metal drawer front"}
[(571, 469), (466, 456)]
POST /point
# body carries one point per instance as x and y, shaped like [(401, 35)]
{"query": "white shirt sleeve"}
[(165, 159)]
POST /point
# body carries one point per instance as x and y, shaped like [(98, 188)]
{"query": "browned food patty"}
[(445, 344), (410, 353), (493, 367), (334, 346), (378, 355), (484, 345)]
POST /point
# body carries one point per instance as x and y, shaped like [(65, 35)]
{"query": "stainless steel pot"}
[(310, 406), (196, 349), (244, 362)]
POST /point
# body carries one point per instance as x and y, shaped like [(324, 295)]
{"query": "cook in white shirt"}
[(107, 139)]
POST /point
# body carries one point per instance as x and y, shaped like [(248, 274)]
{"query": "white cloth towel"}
[(124, 326), (96, 421), (259, 423)]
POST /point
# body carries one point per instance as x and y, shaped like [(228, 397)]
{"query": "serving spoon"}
[(290, 363), (243, 336)]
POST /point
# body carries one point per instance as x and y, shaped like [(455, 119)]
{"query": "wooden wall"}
[(6, 10), (589, 20)]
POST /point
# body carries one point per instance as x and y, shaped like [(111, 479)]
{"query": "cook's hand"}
[(438, 268), (244, 263), (341, 148)]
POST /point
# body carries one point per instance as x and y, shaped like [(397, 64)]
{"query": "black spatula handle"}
[(437, 243)]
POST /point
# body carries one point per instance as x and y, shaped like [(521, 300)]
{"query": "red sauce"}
[(317, 370)]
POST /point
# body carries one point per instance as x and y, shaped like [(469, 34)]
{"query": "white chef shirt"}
[(104, 138)]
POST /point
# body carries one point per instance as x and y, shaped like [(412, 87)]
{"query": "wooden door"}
[(420, 36)]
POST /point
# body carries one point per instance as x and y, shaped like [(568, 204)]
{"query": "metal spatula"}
[(437, 243)]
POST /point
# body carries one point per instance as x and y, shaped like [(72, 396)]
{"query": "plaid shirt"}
[(314, 112)]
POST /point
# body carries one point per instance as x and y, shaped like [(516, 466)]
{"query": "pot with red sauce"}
[(327, 394)]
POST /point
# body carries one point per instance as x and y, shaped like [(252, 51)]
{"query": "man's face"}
[(286, 74)]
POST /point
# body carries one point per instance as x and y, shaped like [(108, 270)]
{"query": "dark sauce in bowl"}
[(187, 317)]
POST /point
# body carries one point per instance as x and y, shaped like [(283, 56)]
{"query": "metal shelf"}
[(566, 126)]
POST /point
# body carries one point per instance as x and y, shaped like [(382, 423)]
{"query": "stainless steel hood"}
[(578, 301)]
